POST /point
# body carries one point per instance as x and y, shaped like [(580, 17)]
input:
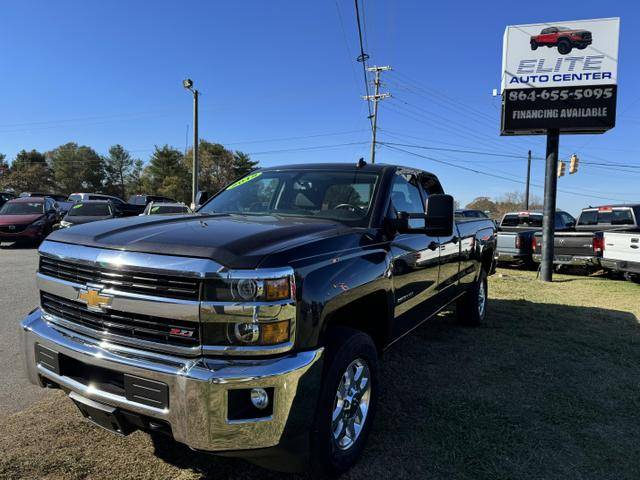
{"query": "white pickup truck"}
[(621, 252)]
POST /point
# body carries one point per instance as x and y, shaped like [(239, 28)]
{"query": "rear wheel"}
[(472, 306), (347, 403)]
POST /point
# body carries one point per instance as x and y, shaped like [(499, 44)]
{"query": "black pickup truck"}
[(582, 246), (516, 233), (253, 327)]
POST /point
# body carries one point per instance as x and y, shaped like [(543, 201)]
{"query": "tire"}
[(564, 47), (534, 45), (472, 306), (632, 277), (348, 352), (581, 47)]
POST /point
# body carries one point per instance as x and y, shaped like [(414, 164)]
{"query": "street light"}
[(188, 84)]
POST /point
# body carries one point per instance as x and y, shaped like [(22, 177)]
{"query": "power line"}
[(494, 175), (363, 59)]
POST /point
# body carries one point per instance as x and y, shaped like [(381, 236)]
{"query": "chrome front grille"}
[(135, 326), (122, 279)]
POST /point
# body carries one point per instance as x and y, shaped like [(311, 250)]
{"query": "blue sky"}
[(100, 73)]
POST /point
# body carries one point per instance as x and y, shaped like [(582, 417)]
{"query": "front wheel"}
[(534, 45), (564, 47), (472, 306), (347, 401)]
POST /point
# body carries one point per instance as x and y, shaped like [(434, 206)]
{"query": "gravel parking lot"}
[(546, 388), (18, 296)]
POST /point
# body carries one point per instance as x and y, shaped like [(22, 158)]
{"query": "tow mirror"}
[(201, 197), (439, 216)]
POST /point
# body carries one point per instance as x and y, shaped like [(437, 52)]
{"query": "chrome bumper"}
[(510, 257), (620, 265), (569, 260), (198, 399)]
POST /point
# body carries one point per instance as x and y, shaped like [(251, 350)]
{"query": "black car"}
[(5, 197), (89, 211), (122, 208)]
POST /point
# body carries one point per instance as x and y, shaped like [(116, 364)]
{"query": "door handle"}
[(634, 246), (433, 245)]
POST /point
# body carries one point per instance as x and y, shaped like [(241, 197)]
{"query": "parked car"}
[(516, 233), (88, 211), (576, 248), (27, 219), (5, 197), (620, 251), (256, 327), (121, 207), (165, 208), (562, 37), (62, 204)]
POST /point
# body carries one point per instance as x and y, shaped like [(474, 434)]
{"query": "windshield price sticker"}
[(244, 180), (560, 75)]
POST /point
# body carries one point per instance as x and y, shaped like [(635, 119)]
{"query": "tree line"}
[(509, 202), (78, 168)]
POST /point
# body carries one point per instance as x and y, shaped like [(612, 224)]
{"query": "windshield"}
[(337, 195), (22, 208), (160, 210), (90, 210)]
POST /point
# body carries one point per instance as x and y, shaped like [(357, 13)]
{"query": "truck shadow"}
[(538, 391)]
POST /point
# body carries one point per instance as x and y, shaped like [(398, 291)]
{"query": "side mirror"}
[(201, 197), (439, 217)]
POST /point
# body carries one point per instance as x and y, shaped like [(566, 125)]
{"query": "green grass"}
[(547, 388)]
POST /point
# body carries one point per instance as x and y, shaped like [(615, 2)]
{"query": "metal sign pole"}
[(550, 191)]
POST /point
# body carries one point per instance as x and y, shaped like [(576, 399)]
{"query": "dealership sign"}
[(560, 75)]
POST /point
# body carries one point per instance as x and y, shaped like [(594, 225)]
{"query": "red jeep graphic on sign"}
[(562, 37)]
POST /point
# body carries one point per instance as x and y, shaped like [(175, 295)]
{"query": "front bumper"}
[(26, 234), (620, 266), (197, 387), (570, 260)]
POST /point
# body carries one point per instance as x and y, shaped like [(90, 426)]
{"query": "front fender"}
[(334, 283)]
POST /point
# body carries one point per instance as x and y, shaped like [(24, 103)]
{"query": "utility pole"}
[(188, 84), (526, 192), (375, 98)]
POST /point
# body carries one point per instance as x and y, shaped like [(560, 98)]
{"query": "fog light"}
[(259, 398)]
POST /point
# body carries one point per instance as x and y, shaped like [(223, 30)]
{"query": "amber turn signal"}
[(277, 289)]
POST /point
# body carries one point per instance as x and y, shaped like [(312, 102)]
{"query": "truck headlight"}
[(249, 289), (251, 309)]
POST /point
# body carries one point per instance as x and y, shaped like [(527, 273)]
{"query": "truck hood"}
[(235, 241), (19, 219)]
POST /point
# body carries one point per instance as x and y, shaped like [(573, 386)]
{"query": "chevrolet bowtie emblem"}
[(94, 299)]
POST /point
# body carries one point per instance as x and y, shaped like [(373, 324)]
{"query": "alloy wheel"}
[(351, 404)]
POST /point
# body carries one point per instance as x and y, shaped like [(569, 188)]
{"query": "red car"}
[(562, 37), (27, 219)]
